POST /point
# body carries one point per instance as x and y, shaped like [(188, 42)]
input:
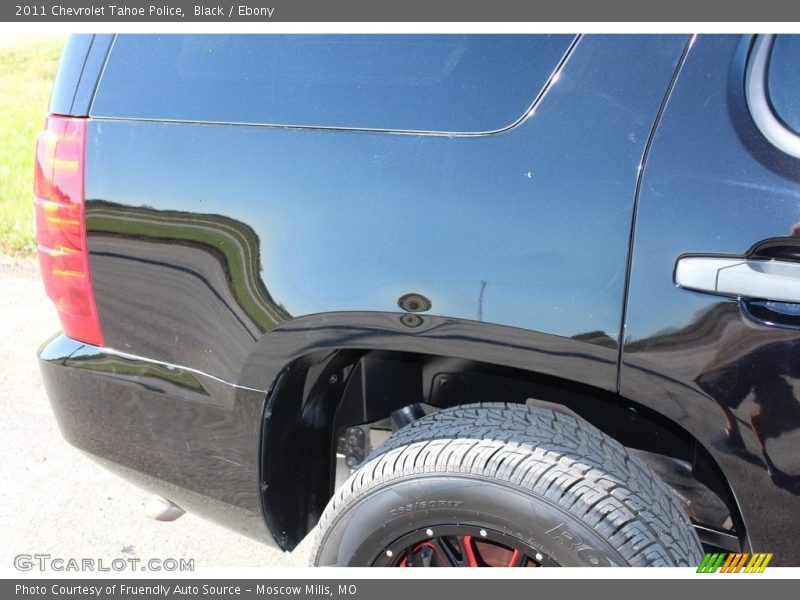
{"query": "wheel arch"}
[(333, 370)]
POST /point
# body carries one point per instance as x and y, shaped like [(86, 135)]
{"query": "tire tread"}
[(546, 453)]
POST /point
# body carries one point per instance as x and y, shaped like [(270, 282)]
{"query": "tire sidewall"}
[(360, 534)]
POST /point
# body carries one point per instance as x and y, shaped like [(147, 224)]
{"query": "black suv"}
[(461, 300)]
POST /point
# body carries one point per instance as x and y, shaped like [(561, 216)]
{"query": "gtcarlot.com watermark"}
[(48, 562)]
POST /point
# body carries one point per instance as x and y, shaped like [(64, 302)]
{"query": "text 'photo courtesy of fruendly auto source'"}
[(382, 287)]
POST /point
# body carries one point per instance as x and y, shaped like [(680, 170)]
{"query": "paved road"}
[(55, 500)]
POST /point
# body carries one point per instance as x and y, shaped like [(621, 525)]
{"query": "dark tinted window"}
[(455, 83), (784, 79)]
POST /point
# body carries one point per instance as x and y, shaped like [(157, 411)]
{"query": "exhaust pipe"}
[(161, 509)]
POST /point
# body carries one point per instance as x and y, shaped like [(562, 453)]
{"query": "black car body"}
[(290, 236)]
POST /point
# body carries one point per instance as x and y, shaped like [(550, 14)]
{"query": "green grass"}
[(27, 67)]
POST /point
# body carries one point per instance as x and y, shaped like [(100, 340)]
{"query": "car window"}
[(783, 79), (447, 83), (771, 87)]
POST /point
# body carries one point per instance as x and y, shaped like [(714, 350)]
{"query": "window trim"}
[(552, 78), (757, 94)]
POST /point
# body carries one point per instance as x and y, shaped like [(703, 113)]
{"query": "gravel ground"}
[(55, 500)]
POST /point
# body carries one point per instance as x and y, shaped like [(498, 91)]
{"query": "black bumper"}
[(183, 435)]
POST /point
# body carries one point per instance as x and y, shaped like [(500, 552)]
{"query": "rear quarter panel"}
[(205, 237)]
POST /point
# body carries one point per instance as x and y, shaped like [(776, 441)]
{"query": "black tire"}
[(533, 478)]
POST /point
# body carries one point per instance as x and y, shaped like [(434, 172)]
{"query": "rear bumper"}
[(181, 434)]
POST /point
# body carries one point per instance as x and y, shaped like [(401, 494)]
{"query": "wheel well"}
[(317, 398)]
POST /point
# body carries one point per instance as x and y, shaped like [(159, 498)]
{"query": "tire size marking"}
[(423, 505)]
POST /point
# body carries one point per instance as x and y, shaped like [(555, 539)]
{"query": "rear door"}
[(711, 334)]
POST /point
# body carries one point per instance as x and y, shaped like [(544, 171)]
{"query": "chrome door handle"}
[(774, 280)]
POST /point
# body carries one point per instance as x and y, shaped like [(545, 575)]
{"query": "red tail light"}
[(61, 226)]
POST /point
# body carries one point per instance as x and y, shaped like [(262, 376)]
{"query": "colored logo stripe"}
[(734, 562), (758, 563)]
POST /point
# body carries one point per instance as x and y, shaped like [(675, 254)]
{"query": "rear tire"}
[(495, 484)]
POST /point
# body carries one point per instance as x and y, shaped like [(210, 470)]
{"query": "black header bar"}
[(465, 11)]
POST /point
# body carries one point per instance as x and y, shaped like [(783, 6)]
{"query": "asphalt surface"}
[(55, 500)]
